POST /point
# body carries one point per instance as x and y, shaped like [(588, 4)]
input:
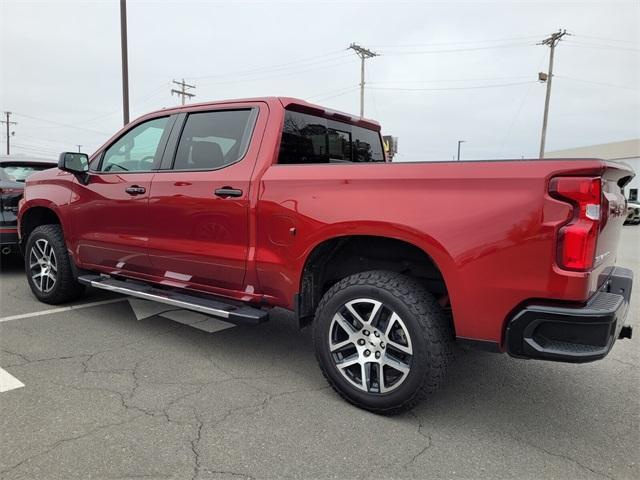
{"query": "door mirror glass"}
[(74, 162)]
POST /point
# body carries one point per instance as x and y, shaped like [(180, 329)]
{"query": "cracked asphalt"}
[(110, 397)]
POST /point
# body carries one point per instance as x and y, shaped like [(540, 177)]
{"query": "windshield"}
[(19, 173)]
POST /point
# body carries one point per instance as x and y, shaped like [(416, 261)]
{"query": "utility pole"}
[(9, 123), (125, 61), (552, 41), (363, 53), (79, 146), (183, 90)]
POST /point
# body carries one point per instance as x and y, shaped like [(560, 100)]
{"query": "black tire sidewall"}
[(65, 287), (420, 361)]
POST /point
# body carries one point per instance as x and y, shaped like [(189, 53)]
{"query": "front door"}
[(199, 204), (109, 210)]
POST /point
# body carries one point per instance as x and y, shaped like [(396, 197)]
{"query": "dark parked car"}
[(13, 173)]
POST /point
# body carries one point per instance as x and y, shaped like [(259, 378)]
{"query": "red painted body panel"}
[(490, 227)]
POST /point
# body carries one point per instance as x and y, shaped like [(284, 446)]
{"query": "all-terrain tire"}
[(429, 329), (46, 245)]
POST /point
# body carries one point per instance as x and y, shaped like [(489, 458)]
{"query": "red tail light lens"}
[(577, 239)]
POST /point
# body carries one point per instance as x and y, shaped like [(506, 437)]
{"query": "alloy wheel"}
[(43, 265), (370, 345)]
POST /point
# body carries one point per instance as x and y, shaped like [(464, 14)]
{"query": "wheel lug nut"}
[(365, 332), (361, 342), (377, 354), (376, 334), (381, 344), (367, 353)]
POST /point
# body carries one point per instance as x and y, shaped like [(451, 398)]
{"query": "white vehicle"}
[(633, 213)]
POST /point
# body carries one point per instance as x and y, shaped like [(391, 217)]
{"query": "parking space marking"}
[(61, 309), (8, 381)]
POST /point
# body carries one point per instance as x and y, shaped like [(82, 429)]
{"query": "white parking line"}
[(61, 309), (8, 381)]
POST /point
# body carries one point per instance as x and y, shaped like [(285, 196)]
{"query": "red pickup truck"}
[(231, 208)]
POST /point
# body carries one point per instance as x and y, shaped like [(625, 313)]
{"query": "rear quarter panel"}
[(489, 226)]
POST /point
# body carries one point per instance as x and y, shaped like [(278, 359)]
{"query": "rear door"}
[(200, 199), (110, 211)]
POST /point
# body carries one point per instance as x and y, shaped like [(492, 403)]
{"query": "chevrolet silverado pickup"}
[(232, 208)]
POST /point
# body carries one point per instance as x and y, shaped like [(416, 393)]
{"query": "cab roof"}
[(285, 102)]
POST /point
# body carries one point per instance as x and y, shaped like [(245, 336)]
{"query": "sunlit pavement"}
[(108, 396)]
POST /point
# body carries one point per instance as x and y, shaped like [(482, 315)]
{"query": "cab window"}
[(213, 140), (137, 150)]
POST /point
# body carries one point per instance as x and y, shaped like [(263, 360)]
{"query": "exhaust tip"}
[(626, 332), (6, 250)]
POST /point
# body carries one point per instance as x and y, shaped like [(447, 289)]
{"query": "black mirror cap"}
[(73, 162)]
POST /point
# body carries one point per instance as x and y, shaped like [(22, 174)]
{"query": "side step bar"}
[(238, 314)]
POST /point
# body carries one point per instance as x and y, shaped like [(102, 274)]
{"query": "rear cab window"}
[(214, 139), (312, 139)]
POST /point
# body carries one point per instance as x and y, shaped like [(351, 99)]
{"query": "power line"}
[(474, 87), (551, 41), (348, 90), (268, 68), (332, 91), (520, 107), (454, 50), (601, 46), (183, 90), (450, 80), (635, 42), (62, 124), (469, 42), (363, 53), (278, 75), (604, 84)]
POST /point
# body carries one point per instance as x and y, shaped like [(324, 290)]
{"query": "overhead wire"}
[(451, 88), (276, 67)]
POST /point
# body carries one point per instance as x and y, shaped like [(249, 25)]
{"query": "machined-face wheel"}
[(43, 266), (370, 345)]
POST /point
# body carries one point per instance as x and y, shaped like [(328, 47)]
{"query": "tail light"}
[(578, 238), (10, 191)]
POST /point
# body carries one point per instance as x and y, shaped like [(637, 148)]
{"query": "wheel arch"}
[(331, 259), (34, 216)]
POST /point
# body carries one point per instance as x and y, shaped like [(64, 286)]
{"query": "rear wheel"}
[(48, 266), (382, 341)]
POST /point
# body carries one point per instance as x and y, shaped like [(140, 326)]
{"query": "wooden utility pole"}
[(552, 41), (183, 90), (363, 53), (125, 61), (8, 123)]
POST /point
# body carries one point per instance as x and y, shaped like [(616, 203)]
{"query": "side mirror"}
[(73, 162)]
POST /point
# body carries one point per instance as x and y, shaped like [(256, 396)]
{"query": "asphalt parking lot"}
[(108, 396)]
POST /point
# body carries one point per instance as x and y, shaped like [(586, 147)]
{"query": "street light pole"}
[(125, 61), (459, 142)]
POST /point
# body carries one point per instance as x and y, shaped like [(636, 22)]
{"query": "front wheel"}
[(382, 341), (48, 266)]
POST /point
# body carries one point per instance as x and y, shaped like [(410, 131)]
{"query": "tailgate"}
[(613, 213)]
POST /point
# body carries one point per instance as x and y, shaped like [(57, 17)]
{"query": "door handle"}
[(135, 190), (228, 192)]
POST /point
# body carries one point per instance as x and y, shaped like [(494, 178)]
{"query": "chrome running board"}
[(208, 305)]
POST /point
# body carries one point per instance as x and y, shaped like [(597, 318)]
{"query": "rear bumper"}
[(574, 334)]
